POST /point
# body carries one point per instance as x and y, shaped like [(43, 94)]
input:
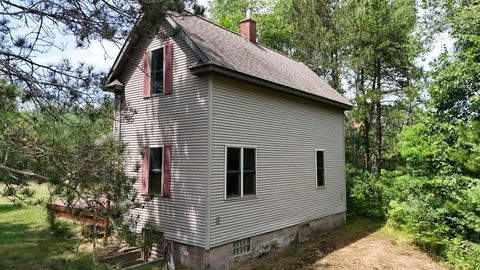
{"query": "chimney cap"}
[(249, 14)]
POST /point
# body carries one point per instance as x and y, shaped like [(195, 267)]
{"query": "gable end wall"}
[(179, 119)]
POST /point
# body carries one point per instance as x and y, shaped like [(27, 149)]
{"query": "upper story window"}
[(155, 170), (157, 72), (241, 172), (320, 170)]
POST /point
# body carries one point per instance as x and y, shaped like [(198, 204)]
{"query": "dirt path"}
[(378, 251), (361, 244)]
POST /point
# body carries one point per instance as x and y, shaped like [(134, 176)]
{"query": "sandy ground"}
[(359, 245), (376, 252)]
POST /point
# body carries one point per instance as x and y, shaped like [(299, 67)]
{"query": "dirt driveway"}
[(361, 244)]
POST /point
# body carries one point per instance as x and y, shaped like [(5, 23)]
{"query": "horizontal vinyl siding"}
[(179, 119), (286, 131)]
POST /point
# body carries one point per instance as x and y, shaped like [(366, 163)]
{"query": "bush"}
[(60, 227), (441, 212), (463, 254)]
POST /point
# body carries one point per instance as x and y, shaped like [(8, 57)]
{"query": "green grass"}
[(27, 242)]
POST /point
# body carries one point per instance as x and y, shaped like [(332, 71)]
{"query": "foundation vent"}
[(241, 247)]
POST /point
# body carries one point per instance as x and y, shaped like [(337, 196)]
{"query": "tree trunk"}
[(335, 72), (378, 130), (366, 126)]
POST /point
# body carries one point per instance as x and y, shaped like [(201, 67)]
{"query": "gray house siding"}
[(286, 130), (179, 119)]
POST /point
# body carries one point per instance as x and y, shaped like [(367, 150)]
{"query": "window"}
[(320, 164), (155, 173), (241, 172), (241, 247), (157, 72)]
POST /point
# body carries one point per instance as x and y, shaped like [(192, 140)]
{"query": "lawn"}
[(27, 242)]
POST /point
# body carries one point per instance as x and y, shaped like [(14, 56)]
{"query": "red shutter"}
[(168, 56), (147, 60), (167, 175), (144, 176)]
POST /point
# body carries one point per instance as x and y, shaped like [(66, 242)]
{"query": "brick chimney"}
[(248, 28)]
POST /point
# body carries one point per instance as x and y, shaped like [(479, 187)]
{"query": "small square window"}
[(241, 247)]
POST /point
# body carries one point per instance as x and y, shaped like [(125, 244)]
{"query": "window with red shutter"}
[(147, 58), (167, 164), (144, 172), (168, 73)]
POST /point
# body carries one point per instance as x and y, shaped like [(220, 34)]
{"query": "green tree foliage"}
[(456, 78), (381, 50), (272, 28), (468, 152), (319, 36), (71, 152), (55, 120)]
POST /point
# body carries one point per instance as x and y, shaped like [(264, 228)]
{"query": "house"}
[(238, 149)]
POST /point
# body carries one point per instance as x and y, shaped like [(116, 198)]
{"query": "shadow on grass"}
[(302, 256), (23, 246), (4, 208)]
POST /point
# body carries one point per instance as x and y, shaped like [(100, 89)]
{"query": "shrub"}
[(441, 212), (463, 254), (60, 227)]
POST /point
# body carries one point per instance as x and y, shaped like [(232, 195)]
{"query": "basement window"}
[(320, 168), (241, 247)]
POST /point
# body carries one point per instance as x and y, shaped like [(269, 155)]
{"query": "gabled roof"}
[(223, 51)]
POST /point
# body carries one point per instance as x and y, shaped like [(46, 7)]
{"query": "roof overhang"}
[(211, 68)]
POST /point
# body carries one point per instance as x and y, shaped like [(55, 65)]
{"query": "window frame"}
[(160, 193), (316, 170), (152, 93), (242, 195)]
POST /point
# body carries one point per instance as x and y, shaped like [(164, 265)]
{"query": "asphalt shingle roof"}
[(232, 51)]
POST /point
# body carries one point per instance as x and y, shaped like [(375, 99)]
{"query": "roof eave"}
[(211, 68)]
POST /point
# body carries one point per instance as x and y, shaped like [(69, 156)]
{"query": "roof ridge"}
[(238, 34)]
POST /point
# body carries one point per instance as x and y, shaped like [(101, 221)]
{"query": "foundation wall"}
[(221, 257)]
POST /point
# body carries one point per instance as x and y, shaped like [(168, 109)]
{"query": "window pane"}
[(157, 71), (157, 60), (319, 159), (248, 159), (157, 82), (155, 182), (249, 183), (233, 159), (320, 177), (155, 158), (233, 184)]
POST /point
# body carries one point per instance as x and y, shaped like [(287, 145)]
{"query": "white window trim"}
[(241, 171), (149, 168), (316, 170)]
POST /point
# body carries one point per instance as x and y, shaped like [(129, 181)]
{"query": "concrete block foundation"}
[(221, 257)]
